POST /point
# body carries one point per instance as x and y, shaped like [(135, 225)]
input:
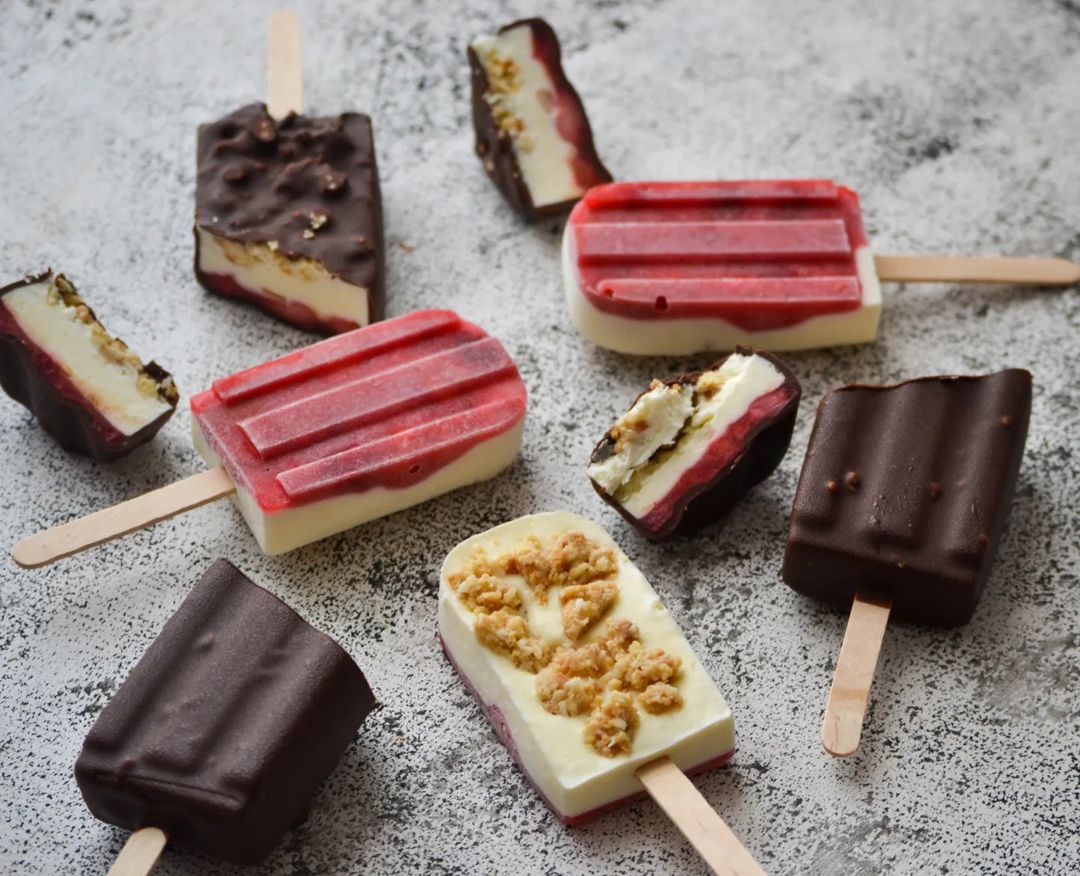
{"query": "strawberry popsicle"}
[(352, 428), (582, 671), (671, 268)]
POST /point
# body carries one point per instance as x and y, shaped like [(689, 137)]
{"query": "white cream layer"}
[(571, 775), (654, 421), (677, 337), (746, 379), (258, 268), (111, 386), (544, 157), (282, 531)]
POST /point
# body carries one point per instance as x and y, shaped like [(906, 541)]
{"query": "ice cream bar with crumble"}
[(288, 216)]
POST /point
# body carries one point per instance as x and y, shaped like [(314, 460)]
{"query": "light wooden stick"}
[(850, 691), (696, 819), (102, 526), (140, 853), (974, 269), (285, 71)]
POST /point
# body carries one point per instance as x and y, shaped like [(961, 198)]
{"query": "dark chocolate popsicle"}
[(86, 388), (904, 493), (690, 447), (288, 216), (227, 726), (532, 134)]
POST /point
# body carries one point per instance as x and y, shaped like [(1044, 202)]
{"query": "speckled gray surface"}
[(957, 122)]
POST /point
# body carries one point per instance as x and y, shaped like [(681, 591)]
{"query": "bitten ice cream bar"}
[(671, 268), (532, 134), (352, 428), (288, 216), (86, 388)]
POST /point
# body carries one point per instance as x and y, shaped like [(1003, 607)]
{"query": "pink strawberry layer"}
[(722, 452), (495, 715), (53, 374), (291, 311), (759, 254)]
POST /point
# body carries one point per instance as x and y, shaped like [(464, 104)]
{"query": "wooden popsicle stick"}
[(977, 269), (850, 691), (109, 523), (285, 69), (140, 853), (696, 819)]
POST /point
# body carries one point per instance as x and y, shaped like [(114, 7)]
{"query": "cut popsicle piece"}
[(227, 726), (675, 268), (585, 676), (532, 134), (362, 425), (904, 493), (85, 387), (288, 216), (689, 448)]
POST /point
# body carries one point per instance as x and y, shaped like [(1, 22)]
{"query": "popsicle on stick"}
[(288, 214), (899, 512), (586, 678), (681, 267), (352, 428), (225, 729)]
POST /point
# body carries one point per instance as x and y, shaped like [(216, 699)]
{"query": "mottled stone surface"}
[(956, 121)]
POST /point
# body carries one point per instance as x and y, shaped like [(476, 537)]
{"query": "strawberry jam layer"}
[(385, 406), (761, 255)]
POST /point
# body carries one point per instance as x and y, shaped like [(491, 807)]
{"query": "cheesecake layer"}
[(554, 749), (289, 528), (300, 291), (87, 388)]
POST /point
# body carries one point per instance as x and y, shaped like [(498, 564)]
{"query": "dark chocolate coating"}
[(31, 377), (227, 726), (260, 180), (495, 147), (905, 490), (766, 444)]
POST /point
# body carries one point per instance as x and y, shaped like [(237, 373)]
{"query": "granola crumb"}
[(508, 634), (484, 593), (610, 728), (660, 697), (584, 604), (575, 559), (531, 562)]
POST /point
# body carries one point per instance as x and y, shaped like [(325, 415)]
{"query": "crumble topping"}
[(504, 81), (604, 680)]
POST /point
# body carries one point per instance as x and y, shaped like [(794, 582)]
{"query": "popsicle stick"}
[(140, 853), (109, 523), (977, 269), (284, 72), (850, 691), (696, 819)]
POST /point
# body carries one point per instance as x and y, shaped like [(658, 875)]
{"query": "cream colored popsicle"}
[(584, 674)]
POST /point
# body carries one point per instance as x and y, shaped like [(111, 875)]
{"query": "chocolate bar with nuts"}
[(288, 217), (86, 388), (690, 447), (532, 134)]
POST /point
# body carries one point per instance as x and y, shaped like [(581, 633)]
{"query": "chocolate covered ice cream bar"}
[(86, 388), (532, 134), (227, 726), (905, 490), (288, 216), (690, 447)]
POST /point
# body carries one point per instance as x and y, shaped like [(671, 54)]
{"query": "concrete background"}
[(957, 122)]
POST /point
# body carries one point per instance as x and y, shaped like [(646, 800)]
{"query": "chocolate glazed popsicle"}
[(899, 510), (224, 730)]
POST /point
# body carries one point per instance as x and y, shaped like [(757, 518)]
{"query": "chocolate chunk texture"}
[(88, 390), (905, 490), (532, 134), (227, 726), (690, 447), (288, 217)]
